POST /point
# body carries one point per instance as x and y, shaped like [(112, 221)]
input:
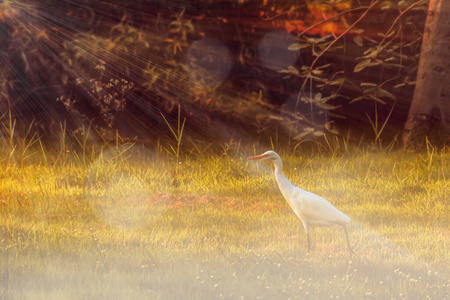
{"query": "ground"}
[(131, 224)]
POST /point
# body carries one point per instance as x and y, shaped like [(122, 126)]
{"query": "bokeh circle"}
[(209, 61), (273, 50)]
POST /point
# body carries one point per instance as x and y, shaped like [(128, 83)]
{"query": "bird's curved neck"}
[(278, 166), (284, 185)]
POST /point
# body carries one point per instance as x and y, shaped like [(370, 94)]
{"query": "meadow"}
[(126, 222)]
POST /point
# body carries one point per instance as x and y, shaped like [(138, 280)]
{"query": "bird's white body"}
[(313, 210)]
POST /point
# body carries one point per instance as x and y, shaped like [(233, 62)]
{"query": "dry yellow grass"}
[(127, 224)]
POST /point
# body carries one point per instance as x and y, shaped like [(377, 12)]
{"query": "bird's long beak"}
[(256, 157)]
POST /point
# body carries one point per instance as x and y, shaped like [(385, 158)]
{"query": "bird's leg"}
[(348, 242), (309, 241), (306, 226)]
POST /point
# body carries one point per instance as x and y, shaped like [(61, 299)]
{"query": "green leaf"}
[(325, 105), (358, 40), (386, 5), (329, 127), (273, 117), (368, 84), (370, 52), (297, 46), (189, 25), (402, 3), (338, 81), (362, 65), (318, 96), (331, 114), (329, 97), (318, 133), (370, 90), (323, 67), (384, 93), (376, 99), (290, 70), (318, 40), (391, 33), (357, 99), (301, 135), (389, 65)]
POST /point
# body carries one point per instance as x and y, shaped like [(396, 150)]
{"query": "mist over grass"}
[(133, 223)]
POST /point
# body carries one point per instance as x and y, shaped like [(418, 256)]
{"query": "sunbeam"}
[(126, 127)]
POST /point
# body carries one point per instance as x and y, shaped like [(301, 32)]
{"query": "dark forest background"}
[(256, 70)]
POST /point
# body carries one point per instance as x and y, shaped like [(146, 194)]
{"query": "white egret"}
[(313, 210)]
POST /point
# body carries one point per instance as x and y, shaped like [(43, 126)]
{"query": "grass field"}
[(129, 223)]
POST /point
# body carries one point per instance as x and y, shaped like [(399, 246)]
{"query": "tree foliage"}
[(118, 65)]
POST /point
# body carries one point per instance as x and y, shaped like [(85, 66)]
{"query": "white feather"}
[(312, 209)]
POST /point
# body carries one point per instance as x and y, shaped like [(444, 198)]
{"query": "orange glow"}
[(294, 25), (6, 11), (317, 14), (43, 34)]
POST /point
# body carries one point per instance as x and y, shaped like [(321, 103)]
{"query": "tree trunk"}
[(429, 115)]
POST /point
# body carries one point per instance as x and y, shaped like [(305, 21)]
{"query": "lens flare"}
[(209, 61), (127, 188), (273, 50)]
